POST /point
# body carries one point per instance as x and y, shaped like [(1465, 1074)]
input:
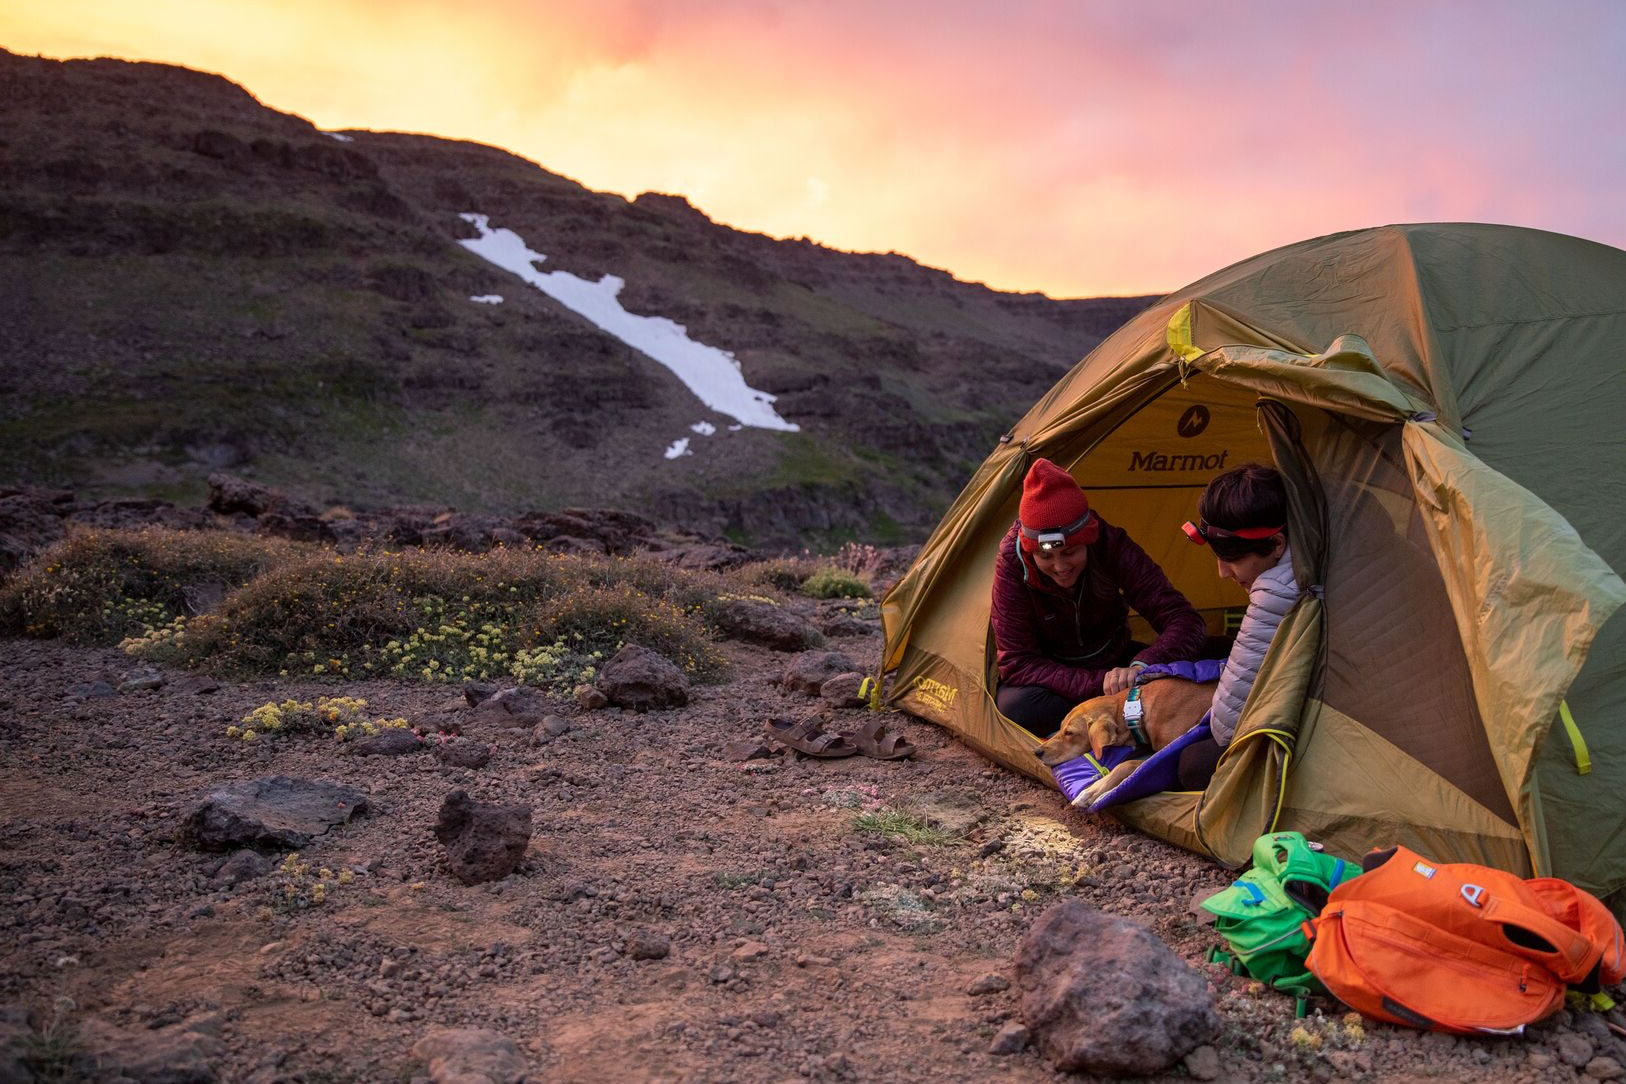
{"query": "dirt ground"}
[(797, 945)]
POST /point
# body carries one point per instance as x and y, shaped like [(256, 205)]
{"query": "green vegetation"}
[(896, 824), (835, 583), (278, 607), (99, 586)]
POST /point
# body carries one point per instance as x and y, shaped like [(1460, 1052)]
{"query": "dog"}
[(1170, 706)]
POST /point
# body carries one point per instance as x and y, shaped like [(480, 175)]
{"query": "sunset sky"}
[(1079, 148)]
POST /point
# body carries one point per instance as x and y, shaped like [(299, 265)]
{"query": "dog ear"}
[(1100, 734)]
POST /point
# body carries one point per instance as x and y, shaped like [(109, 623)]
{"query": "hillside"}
[(191, 281)]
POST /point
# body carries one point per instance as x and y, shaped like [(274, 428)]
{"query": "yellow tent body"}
[(1448, 405)]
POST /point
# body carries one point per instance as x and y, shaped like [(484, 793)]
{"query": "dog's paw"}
[(1087, 797)]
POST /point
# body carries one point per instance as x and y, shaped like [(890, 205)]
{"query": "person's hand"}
[(1116, 681)]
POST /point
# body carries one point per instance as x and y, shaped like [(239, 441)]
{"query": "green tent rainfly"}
[(1448, 404)]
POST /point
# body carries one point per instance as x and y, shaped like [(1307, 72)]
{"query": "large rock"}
[(1103, 995), (30, 520), (276, 812), (395, 741), (470, 1056), (641, 679), (767, 623), (230, 495), (808, 672), (184, 1053), (484, 841)]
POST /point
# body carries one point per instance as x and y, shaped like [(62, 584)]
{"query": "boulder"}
[(276, 812), (183, 1053), (230, 495), (640, 679), (842, 691), (397, 741), (30, 520), (484, 841), (243, 865), (757, 621), (1103, 995), (467, 1055), (463, 753), (808, 672), (520, 706)]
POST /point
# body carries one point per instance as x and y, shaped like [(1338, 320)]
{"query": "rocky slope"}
[(191, 281)]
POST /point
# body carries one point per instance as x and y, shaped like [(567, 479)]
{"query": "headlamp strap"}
[(1048, 537)]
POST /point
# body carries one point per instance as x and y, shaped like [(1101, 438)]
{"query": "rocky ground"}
[(679, 914)]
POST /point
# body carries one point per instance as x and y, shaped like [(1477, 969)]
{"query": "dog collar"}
[(1134, 712)]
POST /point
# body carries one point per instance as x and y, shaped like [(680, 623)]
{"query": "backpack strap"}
[(1534, 934)]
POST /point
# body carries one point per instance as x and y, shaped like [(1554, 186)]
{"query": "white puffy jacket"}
[(1269, 599)]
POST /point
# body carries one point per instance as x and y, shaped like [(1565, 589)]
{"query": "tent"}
[(1448, 405)]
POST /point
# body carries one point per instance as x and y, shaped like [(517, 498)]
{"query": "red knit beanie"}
[(1052, 501)]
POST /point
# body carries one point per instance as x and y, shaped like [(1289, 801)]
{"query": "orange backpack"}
[(1459, 947)]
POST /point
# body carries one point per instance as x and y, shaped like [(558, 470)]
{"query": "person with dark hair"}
[(1242, 517), (1064, 583)]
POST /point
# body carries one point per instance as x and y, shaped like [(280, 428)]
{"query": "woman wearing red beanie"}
[(1064, 584)]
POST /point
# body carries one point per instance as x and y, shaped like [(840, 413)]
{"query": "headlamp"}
[(1204, 533), (1050, 539)]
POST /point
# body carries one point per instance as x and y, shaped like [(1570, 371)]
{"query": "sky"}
[(1074, 147)]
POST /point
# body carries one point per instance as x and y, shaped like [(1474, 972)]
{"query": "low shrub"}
[(418, 613), (99, 586), (835, 583), (786, 574), (598, 620), (435, 615)]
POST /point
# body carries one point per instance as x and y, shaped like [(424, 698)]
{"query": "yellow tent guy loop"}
[(1583, 759)]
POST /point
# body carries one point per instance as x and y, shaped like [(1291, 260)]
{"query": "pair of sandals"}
[(874, 739)]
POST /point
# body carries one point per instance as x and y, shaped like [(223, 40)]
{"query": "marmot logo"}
[(1193, 421)]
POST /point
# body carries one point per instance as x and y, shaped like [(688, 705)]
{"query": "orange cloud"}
[(1075, 149)]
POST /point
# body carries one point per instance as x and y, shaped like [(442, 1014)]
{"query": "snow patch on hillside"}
[(712, 374)]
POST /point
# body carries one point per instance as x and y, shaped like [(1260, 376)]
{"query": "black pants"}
[(1197, 763), (1039, 710), (1034, 708)]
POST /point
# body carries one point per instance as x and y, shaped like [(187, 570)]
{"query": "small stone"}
[(1012, 1039), (555, 726), (140, 680), (751, 950), (590, 698), (720, 974), (1203, 1063), (1604, 1067), (991, 983), (644, 945), (1574, 1050), (388, 968)]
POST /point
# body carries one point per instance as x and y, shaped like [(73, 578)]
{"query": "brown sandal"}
[(876, 739), (809, 737)]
